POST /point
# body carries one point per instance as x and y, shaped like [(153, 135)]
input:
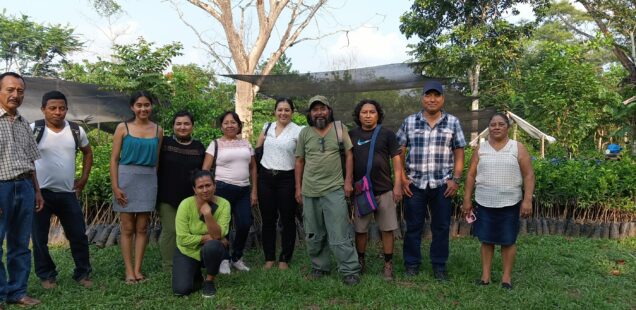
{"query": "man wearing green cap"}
[(321, 188)]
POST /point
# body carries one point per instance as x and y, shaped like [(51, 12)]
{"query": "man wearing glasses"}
[(321, 188)]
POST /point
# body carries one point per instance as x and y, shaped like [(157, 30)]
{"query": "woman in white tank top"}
[(501, 175)]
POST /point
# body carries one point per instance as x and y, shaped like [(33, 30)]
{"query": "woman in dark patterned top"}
[(180, 154)]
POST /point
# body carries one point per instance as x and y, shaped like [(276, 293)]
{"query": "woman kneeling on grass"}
[(498, 169), (201, 224)]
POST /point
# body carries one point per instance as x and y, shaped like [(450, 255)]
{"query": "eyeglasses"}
[(322, 144)]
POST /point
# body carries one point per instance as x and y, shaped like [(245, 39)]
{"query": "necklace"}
[(182, 141)]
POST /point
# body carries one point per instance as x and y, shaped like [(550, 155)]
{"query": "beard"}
[(320, 123)]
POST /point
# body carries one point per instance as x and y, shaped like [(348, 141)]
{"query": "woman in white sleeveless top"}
[(501, 175)]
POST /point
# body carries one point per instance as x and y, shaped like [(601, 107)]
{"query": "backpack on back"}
[(38, 132)]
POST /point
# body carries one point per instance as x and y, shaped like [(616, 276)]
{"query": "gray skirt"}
[(139, 183)]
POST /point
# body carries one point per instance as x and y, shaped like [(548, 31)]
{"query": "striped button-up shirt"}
[(18, 149), (430, 160)]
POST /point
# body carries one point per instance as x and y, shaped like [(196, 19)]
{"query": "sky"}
[(374, 37)]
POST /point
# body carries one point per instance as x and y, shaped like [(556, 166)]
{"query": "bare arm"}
[(118, 137), (160, 134), (87, 164), (525, 164), (405, 180), (348, 181), (298, 174), (469, 187), (39, 201), (207, 162), (254, 178), (398, 170), (453, 186), (261, 140)]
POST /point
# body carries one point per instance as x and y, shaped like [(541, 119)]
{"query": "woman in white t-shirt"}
[(234, 167), (501, 174), (276, 183)]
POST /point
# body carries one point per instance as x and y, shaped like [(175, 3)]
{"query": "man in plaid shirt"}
[(434, 166)]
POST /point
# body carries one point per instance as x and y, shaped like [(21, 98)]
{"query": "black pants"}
[(276, 191), (68, 210), (186, 271)]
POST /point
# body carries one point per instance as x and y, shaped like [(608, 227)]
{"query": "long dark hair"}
[(284, 99), (197, 174), (135, 96), (502, 115)]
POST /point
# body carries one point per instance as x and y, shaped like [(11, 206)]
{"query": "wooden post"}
[(542, 147), (514, 131)]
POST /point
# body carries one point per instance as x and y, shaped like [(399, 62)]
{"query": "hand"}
[(205, 238), (406, 183), (451, 188), (348, 189), (299, 196), (526, 208), (39, 201), (467, 207), (397, 193), (121, 197), (79, 187), (254, 198)]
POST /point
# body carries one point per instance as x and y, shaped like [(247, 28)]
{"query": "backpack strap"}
[(38, 130), (374, 137), (75, 130), (265, 134)]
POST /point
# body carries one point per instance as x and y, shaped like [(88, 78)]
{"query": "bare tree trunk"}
[(473, 79), (244, 99)]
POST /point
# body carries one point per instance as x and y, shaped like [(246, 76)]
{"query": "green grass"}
[(551, 272)]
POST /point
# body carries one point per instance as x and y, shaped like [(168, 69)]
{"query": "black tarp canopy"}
[(396, 86), (87, 103)]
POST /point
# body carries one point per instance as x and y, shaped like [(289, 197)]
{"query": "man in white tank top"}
[(60, 190)]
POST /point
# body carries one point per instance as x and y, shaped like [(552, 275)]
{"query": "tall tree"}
[(34, 49), (465, 38)]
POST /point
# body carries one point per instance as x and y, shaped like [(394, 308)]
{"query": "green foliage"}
[(34, 49), (137, 66), (549, 272), (196, 91), (563, 94), (97, 191), (586, 184)]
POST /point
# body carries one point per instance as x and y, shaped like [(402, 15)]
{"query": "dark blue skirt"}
[(497, 225)]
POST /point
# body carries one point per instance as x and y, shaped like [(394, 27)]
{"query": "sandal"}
[(481, 282), (141, 279), (130, 281), (507, 286)]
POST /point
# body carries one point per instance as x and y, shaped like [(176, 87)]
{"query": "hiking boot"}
[(225, 267), (352, 279), (362, 263), (440, 275), (49, 284), (411, 271), (208, 290), (316, 274), (86, 282), (388, 271), (240, 265)]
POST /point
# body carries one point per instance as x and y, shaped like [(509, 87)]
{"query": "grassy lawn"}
[(551, 272)]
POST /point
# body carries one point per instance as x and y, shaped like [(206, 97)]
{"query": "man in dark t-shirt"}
[(368, 114)]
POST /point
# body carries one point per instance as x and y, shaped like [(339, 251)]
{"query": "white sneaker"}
[(225, 267), (240, 265)]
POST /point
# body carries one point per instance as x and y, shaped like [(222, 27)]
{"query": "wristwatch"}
[(457, 180)]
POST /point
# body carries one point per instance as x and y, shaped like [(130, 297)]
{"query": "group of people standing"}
[(199, 192)]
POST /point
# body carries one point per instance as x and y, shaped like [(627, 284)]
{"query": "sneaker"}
[(352, 279), (440, 275), (240, 265), (208, 290), (388, 271), (411, 271), (316, 274), (362, 263), (225, 267), (49, 284), (86, 282)]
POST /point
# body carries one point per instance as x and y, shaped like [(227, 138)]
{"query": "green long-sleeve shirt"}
[(190, 228)]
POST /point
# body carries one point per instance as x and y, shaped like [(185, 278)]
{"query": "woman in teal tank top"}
[(133, 174)]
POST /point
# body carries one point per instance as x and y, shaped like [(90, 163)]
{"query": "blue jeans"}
[(415, 212), (17, 202), (239, 198), (68, 210)]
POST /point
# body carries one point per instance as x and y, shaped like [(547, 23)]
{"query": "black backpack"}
[(38, 132)]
